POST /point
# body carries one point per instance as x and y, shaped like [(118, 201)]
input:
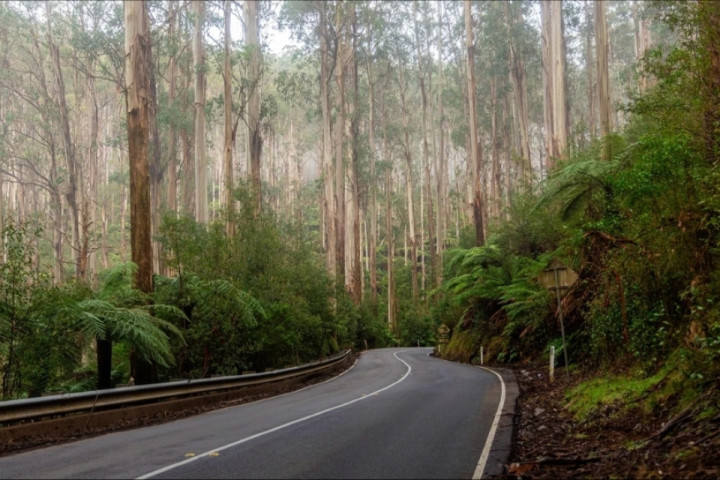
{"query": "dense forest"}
[(184, 195)]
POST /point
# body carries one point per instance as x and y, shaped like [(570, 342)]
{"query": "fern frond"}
[(453, 258), (92, 325), (574, 203), (253, 308), (138, 327), (118, 278), (168, 312), (461, 283)]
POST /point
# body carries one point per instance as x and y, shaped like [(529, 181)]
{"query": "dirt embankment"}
[(612, 443)]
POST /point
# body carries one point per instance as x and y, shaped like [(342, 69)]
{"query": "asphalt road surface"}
[(397, 413)]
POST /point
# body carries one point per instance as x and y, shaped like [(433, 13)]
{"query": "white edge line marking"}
[(480, 468), (279, 427)]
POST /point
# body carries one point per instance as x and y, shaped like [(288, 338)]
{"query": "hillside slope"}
[(636, 436)]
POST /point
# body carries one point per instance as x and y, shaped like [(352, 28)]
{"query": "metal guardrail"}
[(32, 409)]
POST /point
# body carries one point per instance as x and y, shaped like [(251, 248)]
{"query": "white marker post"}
[(552, 364)]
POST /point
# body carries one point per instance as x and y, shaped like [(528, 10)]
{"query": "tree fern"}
[(120, 313), (585, 181)]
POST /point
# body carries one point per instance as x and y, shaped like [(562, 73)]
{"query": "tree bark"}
[(201, 200), (475, 152), (172, 132), (643, 41), (326, 68), (137, 66), (407, 149), (356, 268), (89, 218), (495, 175), (186, 141), (157, 170), (390, 240), (589, 67), (372, 239), (339, 200), (424, 69), (555, 86), (557, 43), (519, 101), (603, 49), (103, 351), (442, 187), (71, 194), (545, 12), (254, 135), (229, 140)]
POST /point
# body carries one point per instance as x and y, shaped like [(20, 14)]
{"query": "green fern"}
[(585, 181)]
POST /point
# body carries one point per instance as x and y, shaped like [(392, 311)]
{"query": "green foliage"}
[(581, 188), (416, 328), (118, 313), (525, 303), (36, 337), (17, 322), (635, 215), (261, 299), (372, 328), (499, 297), (217, 324)]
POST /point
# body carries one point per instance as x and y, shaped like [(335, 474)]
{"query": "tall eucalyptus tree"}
[(68, 144), (553, 48), (475, 157), (138, 62), (355, 273), (519, 97), (173, 21), (229, 133), (255, 140), (441, 170), (424, 73), (312, 23), (371, 17), (603, 51), (201, 191), (29, 128), (643, 40)]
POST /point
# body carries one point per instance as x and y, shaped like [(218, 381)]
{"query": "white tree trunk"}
[(201, 200), (603, 49)]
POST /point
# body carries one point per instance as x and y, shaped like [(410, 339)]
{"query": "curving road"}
[(397, 413)]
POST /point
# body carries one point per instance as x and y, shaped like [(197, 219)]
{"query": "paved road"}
[(395, 414)]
